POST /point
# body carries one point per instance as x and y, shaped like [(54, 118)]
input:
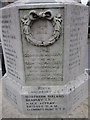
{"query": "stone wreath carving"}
[(28, 20)]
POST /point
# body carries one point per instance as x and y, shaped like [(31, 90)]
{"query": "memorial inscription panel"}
[(44, 99), (8, 38), (77, 24), (43, 103), (11, 42), (42, 39), (76, 33)]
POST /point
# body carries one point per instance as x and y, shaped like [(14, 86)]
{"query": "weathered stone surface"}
[(44, 99), (43, 51), (12, 45), (45, 46), (75, 42), (9, 111)]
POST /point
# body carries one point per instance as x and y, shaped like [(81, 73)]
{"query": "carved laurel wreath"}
[(28, 20)]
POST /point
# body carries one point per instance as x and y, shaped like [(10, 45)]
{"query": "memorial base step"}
[(45, 100)]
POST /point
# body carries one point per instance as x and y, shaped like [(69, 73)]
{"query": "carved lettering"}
[(43, 63), (8, 39)]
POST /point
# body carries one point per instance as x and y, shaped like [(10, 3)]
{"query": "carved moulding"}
[(29, 19)]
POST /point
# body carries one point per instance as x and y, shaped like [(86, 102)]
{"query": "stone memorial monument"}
[(45, 50)]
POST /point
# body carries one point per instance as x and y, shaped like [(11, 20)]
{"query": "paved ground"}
[(9, 111)]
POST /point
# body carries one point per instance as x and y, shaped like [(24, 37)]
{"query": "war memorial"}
[(45, 50)]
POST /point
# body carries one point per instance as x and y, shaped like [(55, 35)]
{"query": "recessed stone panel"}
[(42, 40)]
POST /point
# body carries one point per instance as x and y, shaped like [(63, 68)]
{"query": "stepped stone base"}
[(38, 100)]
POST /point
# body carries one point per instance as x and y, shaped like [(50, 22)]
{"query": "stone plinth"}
[(45, 50)]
